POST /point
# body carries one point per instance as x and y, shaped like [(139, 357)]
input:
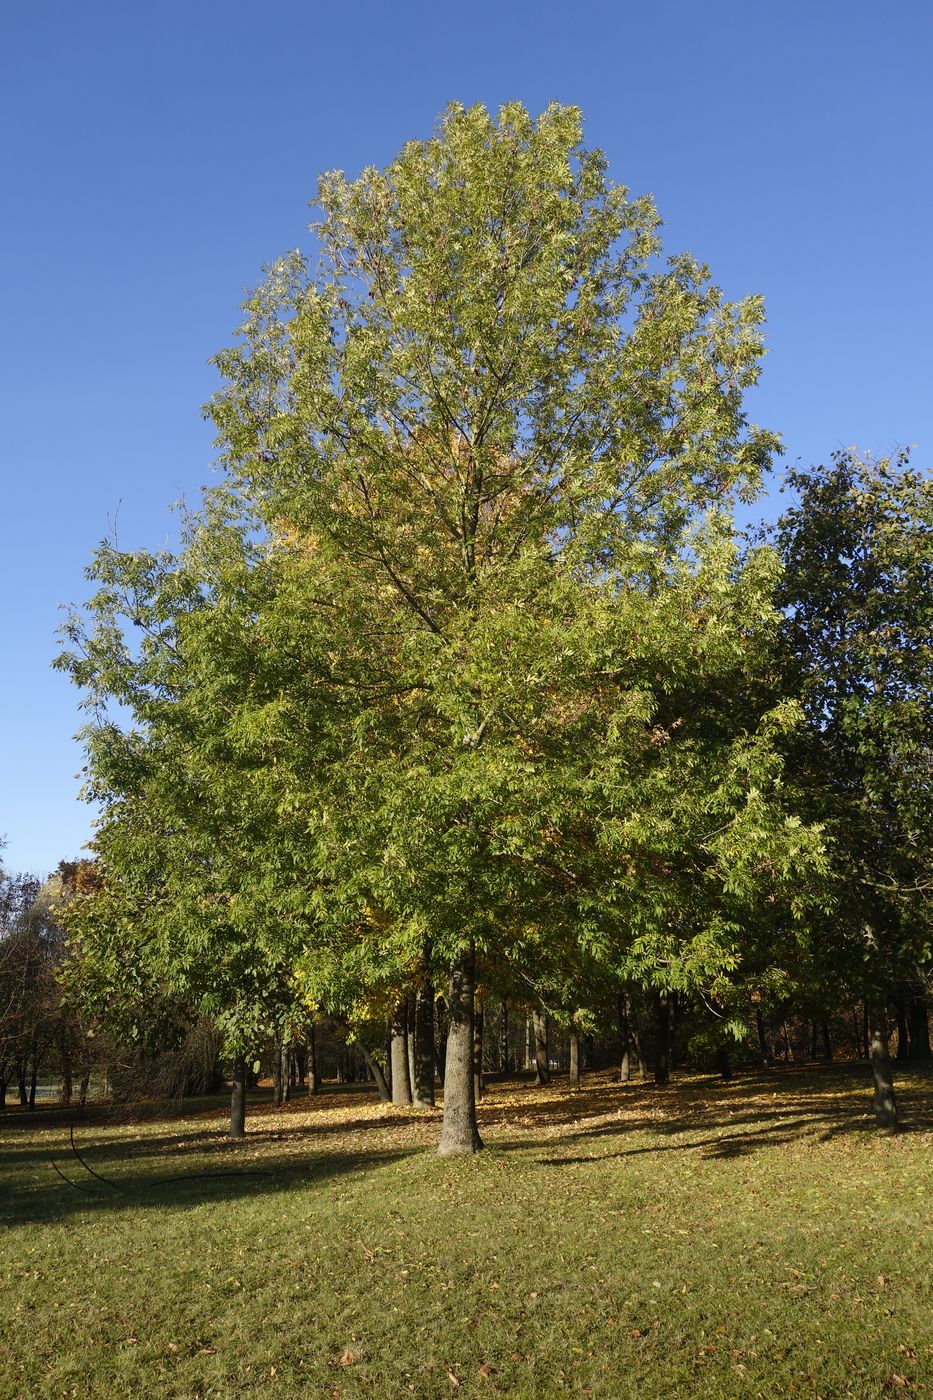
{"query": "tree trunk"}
[(286, 1072), (278, 1089), (827, 1041), (422, 1089), (238, 1098), (460, 1133), (375, 1069), (662, 1053), (724, 1061), (478, 1051), (918, 1026), (505, 1062), (64, 1057), (763, 1046), (410, 1041), (401, 1084), (635, 1035), (625, 1038), (900, 1018), (885, 1103), (33, 1075), (574, 1071), (83, 1088), (542, 1071), (311, 1059), (866, 1040), (21, 1083)]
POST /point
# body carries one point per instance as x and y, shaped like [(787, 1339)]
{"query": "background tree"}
[(857, 548)]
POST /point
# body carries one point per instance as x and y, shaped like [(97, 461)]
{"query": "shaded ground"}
[(752, 1238)]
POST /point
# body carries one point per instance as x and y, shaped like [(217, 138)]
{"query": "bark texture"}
[(238, 1099), (311, 1060), (763, 1046), (542, 1071), (662, 1052), (379, 1079), (918, 1026), (885, 1103), (422, 1088), (460, 1134), (478, 1051), (401, 1082), (625, 1038)]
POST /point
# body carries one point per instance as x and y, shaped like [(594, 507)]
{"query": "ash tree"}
[(462, 660), (498, 439)]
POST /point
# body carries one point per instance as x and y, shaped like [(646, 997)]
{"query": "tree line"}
[(465, 690)]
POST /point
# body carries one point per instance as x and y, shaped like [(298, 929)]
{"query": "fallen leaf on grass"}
[(487, 1370), (454, 1380), (347, 1359)]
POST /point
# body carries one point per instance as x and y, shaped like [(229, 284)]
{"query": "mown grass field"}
[(757, 1238)]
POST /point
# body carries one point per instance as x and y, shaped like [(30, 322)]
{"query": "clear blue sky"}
[(154, 156)]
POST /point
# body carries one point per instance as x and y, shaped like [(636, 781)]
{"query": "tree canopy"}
[(464, 663)]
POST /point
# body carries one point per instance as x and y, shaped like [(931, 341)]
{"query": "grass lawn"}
[(757, 1238)]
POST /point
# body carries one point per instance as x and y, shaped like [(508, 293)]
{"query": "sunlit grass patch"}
[(752, 1238)]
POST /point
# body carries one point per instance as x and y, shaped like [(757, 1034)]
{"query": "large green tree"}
[(857, 546), (500, 439), (463, 656)]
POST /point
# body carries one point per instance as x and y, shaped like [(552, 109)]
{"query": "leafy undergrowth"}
[(757, 1238)]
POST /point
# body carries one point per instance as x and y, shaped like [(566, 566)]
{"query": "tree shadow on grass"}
[(207, 1142), (721, 1147), (761, 1110), (58, 1186)]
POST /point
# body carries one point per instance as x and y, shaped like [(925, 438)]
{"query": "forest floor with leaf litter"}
[(752, 1238)]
